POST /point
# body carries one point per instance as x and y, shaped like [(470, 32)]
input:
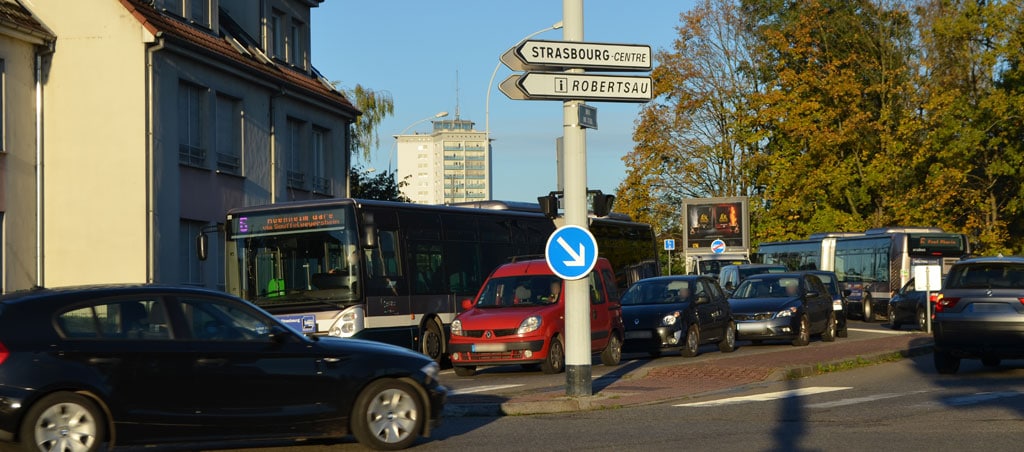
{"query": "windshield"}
[(658, 292), (768, 288), (986, 275), (291, 262), (523, 290)]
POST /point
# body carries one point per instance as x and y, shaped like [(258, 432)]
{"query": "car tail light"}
[(942, 303), (3, 353)]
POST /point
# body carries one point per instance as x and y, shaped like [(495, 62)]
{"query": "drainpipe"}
[(40, 275), (155, 46), (273, 145)]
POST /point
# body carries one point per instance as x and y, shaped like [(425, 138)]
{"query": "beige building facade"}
[(450, 165), (156, 117)]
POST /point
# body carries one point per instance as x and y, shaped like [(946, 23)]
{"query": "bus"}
[(396, 272), (872, 265)]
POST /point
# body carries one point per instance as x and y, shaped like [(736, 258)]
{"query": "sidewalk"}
[(657, 384)]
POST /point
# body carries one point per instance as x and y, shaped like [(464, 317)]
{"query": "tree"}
[(383, 186), (693, 140), (375, 105)]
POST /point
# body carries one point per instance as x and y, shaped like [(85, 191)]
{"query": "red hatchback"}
[(519, 318)]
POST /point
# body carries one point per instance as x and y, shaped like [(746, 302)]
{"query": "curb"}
[(564, 404)]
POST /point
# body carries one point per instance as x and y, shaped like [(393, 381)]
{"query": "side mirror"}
[(702, 299), (847, 292), (467, 304)]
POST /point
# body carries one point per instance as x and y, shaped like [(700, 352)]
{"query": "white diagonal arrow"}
[(578, 259)]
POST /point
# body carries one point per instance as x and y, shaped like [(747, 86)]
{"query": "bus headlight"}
[(457, 327), (349, 323)]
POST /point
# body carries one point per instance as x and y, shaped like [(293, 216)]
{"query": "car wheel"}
[(803, 337), (612, 353), (867, 311), (464, 371), (728, 343), (829, 335), (432, 342), (945, 362), (692, 342), (388, 415), (990, 362), (893, 323), (63, 421), (922, 320), (555, 363)]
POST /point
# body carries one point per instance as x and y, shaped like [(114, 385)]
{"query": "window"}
[(295, 54), (296, 173), (3, 105), (275, 36), (131, 319), (229, 132), (213, 320), (197, 11), (321, 177), (191, 124), (191, 266)]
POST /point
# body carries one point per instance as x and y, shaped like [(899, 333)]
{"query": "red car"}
[(519, 318)]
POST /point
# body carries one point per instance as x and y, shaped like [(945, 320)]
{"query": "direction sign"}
[(571, 252), (534, 55), (670, 244), (572, 86), (718, 246)]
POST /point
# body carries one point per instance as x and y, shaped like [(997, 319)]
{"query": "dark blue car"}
[(786, 306), (676, 313)]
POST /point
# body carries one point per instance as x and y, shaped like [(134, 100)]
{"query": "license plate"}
[(987, 307), (837, 305), (638, 334), (489, 347)]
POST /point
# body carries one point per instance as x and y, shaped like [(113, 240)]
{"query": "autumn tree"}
[(692, 140)]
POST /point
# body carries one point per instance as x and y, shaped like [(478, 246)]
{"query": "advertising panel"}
[(709, 220)]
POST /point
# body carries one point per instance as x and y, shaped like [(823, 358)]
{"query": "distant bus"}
[(873, 264), (395, 272)]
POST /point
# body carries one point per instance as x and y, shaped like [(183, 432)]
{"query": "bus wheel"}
[(432, 342), (867, 310)]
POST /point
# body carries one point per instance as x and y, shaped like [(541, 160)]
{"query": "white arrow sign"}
[(532, 55), (578, 259), (568, 86)]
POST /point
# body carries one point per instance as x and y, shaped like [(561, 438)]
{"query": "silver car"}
[(979, 314)]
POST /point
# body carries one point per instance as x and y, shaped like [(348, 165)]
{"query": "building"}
[(451, 164), (152, 119)]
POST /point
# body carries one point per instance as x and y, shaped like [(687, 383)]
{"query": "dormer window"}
[(197, 12)]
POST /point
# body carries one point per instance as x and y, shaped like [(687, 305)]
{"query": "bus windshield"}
[(299, 259)]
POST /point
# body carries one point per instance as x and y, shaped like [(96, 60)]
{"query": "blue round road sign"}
[(718, 246), (571, 252)]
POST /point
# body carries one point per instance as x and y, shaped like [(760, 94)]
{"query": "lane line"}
[(485, 388), (766, 397), (862, 330), (865, 399)]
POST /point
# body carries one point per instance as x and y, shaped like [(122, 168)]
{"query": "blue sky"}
[(439, 55)]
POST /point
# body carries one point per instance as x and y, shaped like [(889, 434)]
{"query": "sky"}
[(435, 56)]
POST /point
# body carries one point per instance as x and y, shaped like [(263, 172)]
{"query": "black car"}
[(791, 306), (979, 314), (95, 368), (840, 304), (676, 313), (907, 307)]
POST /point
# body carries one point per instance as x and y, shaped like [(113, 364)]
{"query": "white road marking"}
[(862, 330), (980, 397), (865, 399), (475, 389), (766, 397)]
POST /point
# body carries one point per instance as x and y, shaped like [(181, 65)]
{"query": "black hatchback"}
[(148, 365), (676, 313)]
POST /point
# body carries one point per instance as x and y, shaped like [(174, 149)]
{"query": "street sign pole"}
[(578, 377)]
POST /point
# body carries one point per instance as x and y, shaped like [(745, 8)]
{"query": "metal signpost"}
[(569, 252), (929, 278)]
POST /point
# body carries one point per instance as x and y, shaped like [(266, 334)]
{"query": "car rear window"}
[(986, 275)]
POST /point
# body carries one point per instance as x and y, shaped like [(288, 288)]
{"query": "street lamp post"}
[(394, 144), (487, 106)]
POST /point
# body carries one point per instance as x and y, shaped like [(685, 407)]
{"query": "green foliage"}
[(840, 115), (375, 106), (382, 186)]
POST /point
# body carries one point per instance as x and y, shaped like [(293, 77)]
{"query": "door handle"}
[(104, 360), (211, 361)]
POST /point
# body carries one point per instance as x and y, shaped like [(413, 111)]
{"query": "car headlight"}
[(670, 319), (457, 327), (350, 323), (431, 370), (788, 312), (529, 325)]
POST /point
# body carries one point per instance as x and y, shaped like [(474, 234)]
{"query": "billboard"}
[(709, 219)]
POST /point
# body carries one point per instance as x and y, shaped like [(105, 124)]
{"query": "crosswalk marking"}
[(766, 397), (485, 388)]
